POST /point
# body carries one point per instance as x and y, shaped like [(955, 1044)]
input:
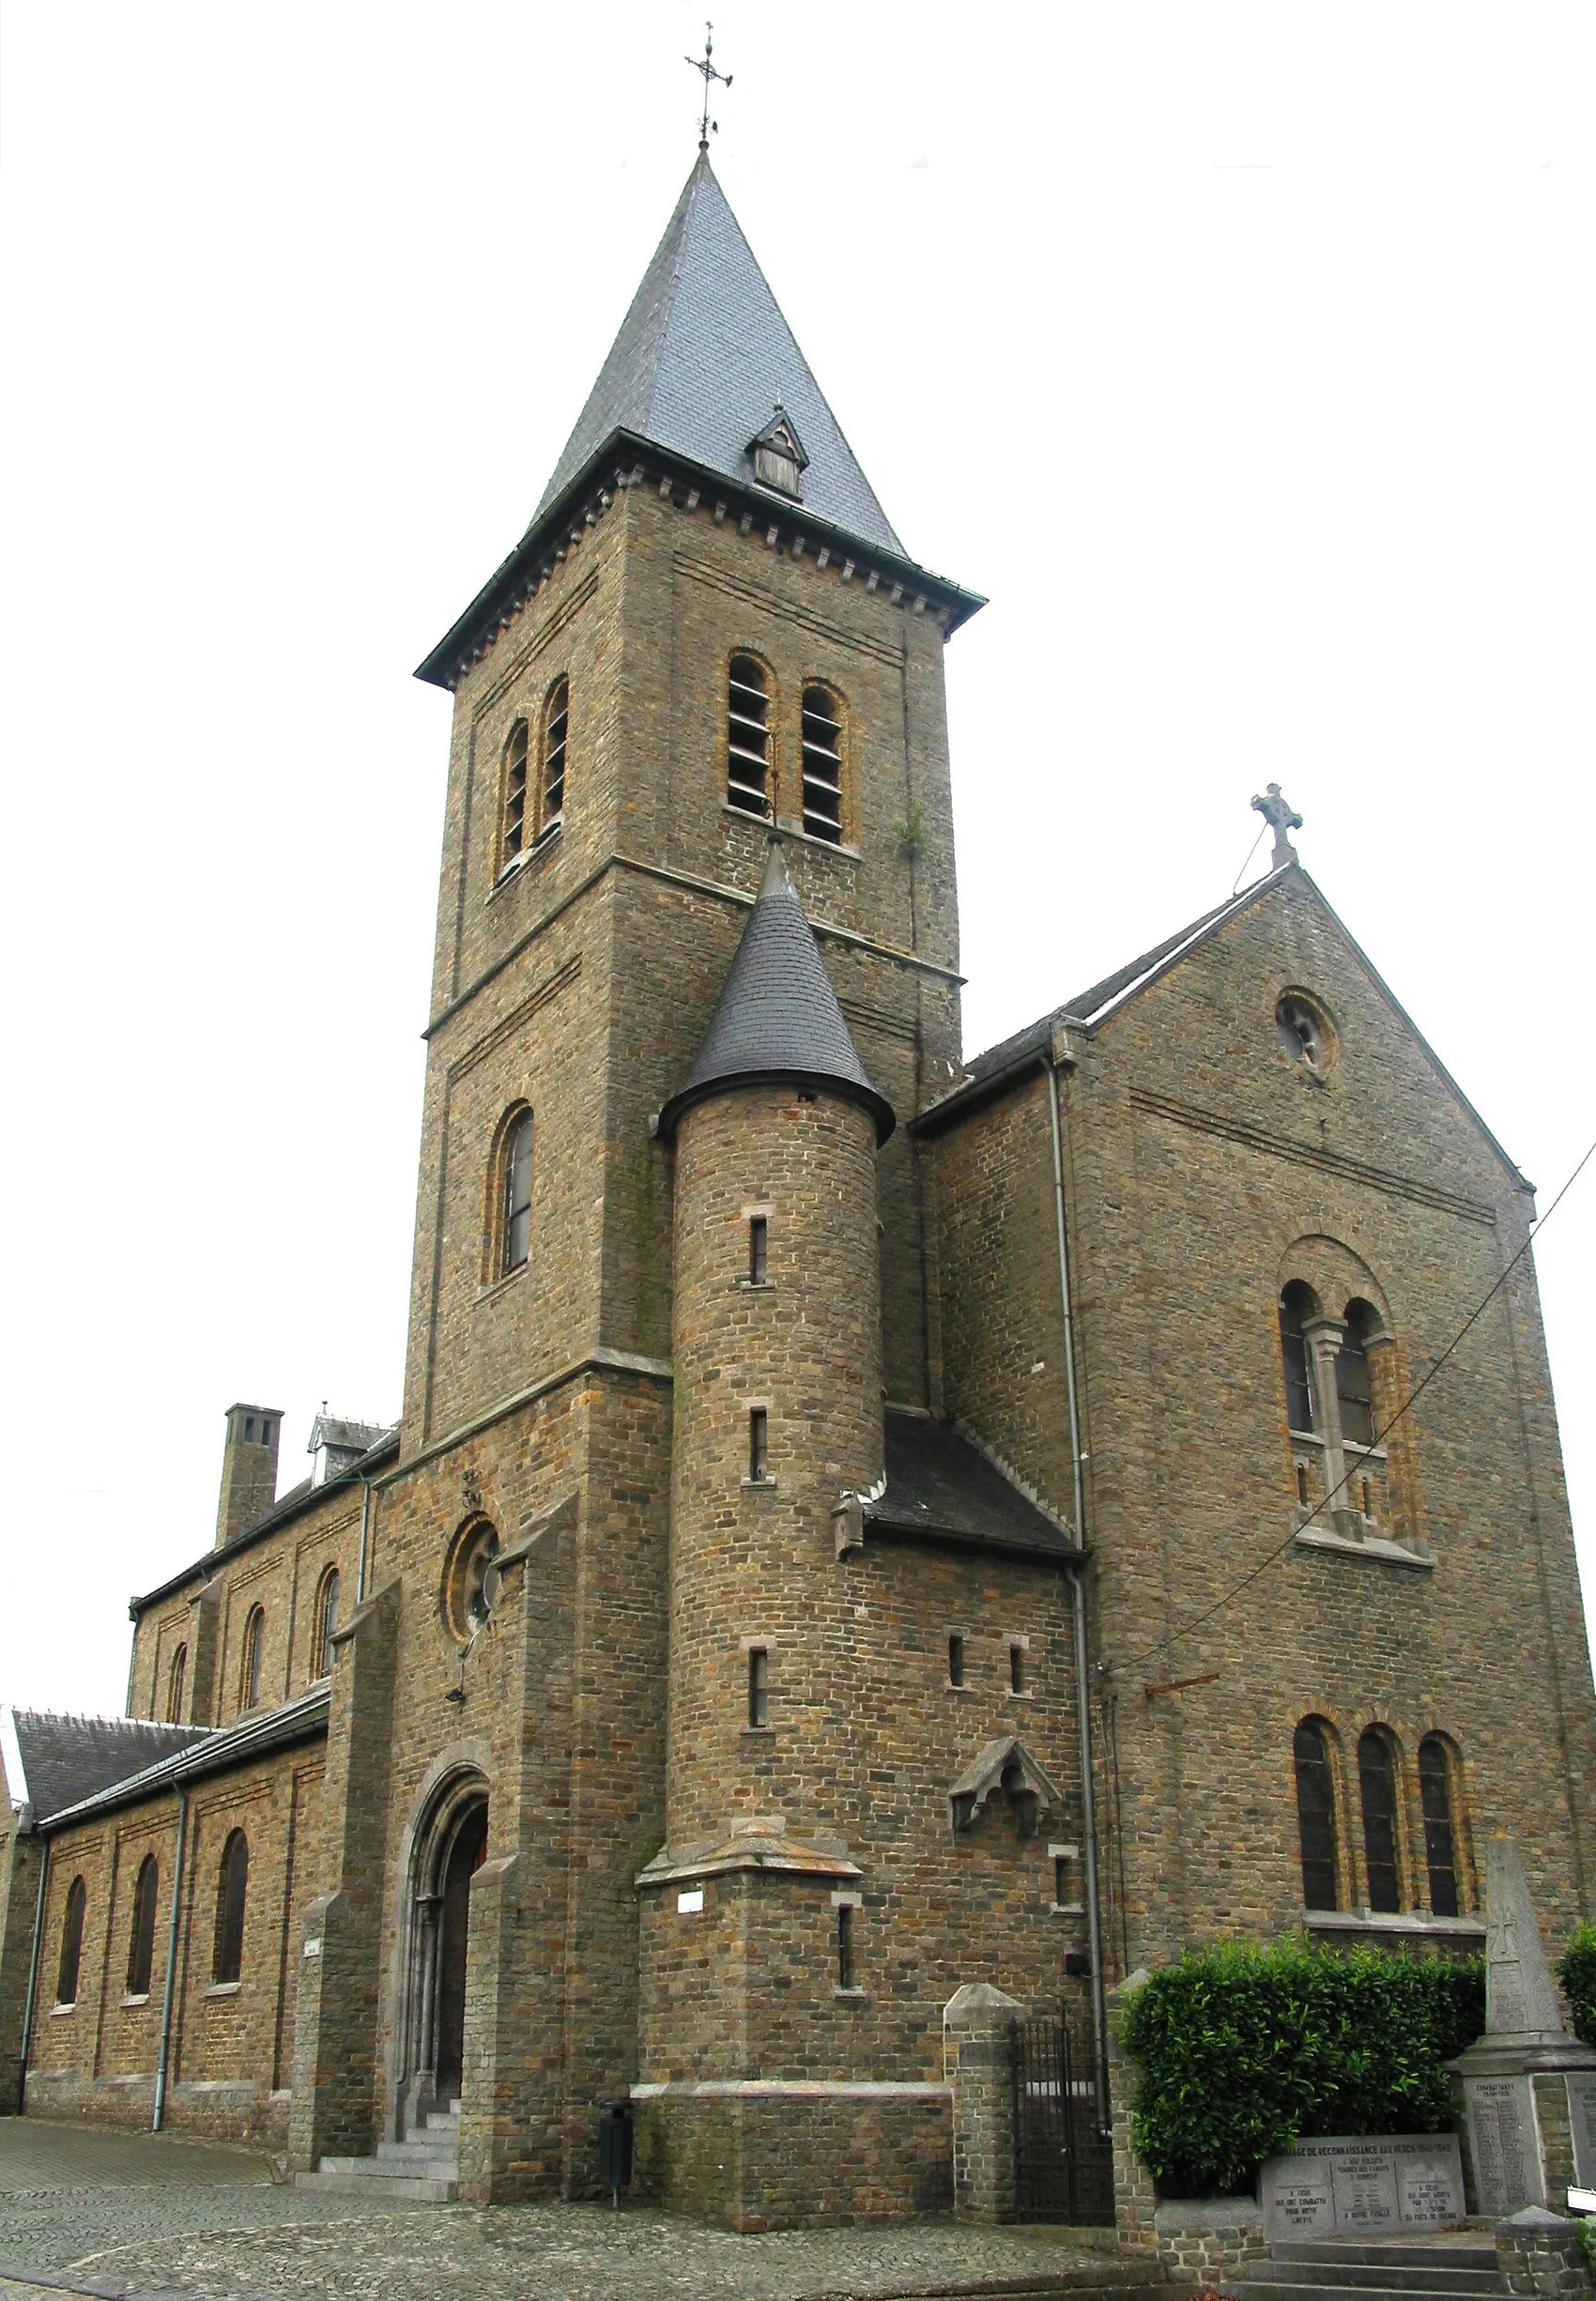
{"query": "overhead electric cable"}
[(1135, 1661)]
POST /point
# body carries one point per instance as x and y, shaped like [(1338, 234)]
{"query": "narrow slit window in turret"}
[(748, 737), (955, 1660), (758, 1249), (845, 1946), (822, 767), (758, 1445), (758, 1686)]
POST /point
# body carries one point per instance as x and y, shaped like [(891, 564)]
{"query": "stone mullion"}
[(1324, 1338)]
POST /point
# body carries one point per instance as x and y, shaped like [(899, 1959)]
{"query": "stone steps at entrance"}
[(422, 2169), (1463, 2271)]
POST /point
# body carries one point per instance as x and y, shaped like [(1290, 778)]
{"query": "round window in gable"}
[(1306, 1032), (470, 1579)]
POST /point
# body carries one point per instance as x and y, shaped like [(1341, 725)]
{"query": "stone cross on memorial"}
[(1528, 2088)]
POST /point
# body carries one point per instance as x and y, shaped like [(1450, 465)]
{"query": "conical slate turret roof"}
[(778, 1015), (701, 359)]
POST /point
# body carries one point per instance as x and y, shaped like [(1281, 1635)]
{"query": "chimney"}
[(248, 1468)]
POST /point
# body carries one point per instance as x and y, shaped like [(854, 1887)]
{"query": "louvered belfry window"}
[(556, 721), (822, 767), (748, 737), (515, 830)]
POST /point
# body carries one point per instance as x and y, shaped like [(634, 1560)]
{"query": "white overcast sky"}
[(1243, 355)]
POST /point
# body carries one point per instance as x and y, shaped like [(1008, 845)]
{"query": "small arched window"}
[(1315, 1816), (512, 806), (140, 1942), (1440, 1852), (556, 725), (1354, 1383), (515, 1219), (71, 1944), (254, 1654), (1376, 1782), (822, 765), (232, 1887), (748, 737), (326, 1623), (175, 1677), (1296, 1306)]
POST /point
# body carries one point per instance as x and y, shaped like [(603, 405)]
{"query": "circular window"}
[(470, 1578), (1306, 1032)]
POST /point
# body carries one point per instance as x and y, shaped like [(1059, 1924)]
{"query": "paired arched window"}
[(254, 1656), (748, 758), (515, 1198), (1355, 1388), (71, 1944), (1377, 1783), (555, 728), (141, 1939), (512, 803), (822, 765), (1315, 1816), (326, 1623), (175, 1681), (1436, 1799), (232, 1887), (1296, 1306)]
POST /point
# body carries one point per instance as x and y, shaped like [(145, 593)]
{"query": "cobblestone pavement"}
[(145, 2214)]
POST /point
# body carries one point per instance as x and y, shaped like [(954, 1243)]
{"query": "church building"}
[(863, 1522)]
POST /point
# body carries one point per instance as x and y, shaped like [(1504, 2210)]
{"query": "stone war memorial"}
[(717, 1699)]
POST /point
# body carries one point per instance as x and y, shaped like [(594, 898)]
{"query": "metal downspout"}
[(1077, 1593), (32, 1973), (171, 1964), (365, 1531)]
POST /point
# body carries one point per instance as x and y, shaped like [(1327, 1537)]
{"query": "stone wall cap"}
[(1178, 2213), (1535, 2221), (979, 1999)]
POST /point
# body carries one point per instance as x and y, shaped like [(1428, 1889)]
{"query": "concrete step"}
[(444, 2120), (360, 2177), (1261, 2286), (1459, 2252), (1469, 2276), (435, 2148)]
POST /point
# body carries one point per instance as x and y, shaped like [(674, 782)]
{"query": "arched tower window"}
[(1315, 1816), (822, 765), (254, 1654), (141, 1943), (71, 1944), (232, 1887), (176, 1678), (326, 1623), (1441, 1851), (748, 737), (513, 806), (1296, 1306), (1376, 1782), (1354, 1383), (516, 1216), (556, 723)]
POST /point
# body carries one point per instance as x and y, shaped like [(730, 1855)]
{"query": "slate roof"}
[(778, 1015), (940, 1486), (702, 357), (337, 1429), (210, 1751), (64, 1759)]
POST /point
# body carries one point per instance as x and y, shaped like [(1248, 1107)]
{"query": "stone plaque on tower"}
[(1528, 2088)]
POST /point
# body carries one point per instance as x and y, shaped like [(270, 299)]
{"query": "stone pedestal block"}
[(1538, 2256), (977, 2029)]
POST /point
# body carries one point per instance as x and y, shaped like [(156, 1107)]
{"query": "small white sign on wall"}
[(690, 1901)]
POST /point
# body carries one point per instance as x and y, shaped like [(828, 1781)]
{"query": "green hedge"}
[(1577, 1970), (1242, 2051)]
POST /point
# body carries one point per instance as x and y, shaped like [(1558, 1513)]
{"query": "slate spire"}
[(702, 357), (777, 1018)]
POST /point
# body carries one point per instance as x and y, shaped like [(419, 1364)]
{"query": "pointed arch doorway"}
[(449, 1849)]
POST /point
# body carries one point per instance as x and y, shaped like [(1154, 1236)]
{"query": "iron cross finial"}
[(1283, 819), (705, 65)]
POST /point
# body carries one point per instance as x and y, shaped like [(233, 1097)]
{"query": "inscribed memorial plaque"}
[(1369, 2186), (1582, 2119), (1506, 2144)]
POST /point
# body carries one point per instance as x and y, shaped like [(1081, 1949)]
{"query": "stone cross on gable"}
[(1283, 819)]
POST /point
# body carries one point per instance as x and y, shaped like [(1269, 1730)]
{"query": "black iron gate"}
[(1063, 2158)]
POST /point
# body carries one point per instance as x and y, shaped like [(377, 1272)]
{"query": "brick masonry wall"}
[(1205, 1168), (780, 2161)]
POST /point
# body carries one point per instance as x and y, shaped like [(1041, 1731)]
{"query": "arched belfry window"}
[(325, 1623), (140, 1942), (516, 1210), (748, 737), (556, 727), (512, 806), (822, 765), (1376, 1782), (1297, 1307), (254, 1656), (232, 1888), (71, 1944), (1315, 1816), (1441, 1845), (176, 1680), (1354, 1383)]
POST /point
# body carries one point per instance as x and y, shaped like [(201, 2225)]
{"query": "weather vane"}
[(704, 65)]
